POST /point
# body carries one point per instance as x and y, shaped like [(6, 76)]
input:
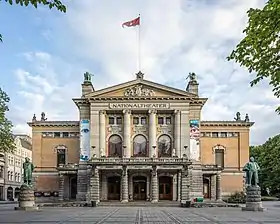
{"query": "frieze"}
[(138, 90), (139, 105)]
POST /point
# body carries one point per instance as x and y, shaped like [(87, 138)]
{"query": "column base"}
[(124, 201), (154, 201)]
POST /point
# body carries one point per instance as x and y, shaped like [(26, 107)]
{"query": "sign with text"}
[(139, 105)]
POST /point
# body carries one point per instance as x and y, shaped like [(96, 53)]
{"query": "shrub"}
[(238, 197)]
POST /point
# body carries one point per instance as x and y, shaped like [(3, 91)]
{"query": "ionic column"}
[(218, 187), (94, 185), (154, 185), (124, 186), (177, 130), (127, 133), (102, 132), (152, 133), (61, 187)]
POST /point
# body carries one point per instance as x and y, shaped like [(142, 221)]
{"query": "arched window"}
[(61, 155), (139, 145), (164, 146), (115, 146), (219, 151)]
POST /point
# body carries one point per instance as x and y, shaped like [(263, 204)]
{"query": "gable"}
[(140, 88)]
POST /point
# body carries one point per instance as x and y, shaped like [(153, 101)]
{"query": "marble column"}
[(218, 187), (177, 129), (124, 185), (94, 185), (61, 187), (127, 134), (102, 132), (154, 185), (152, 133)]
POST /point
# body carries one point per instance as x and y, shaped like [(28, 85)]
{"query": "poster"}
[(194, 140), (84, 140)]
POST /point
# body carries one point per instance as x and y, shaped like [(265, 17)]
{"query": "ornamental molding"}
[(138, 90)]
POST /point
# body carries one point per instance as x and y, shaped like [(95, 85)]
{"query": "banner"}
[(194, 140), (84, 140)]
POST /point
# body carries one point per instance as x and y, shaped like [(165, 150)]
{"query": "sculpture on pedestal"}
[(253, 191), (28, 168)]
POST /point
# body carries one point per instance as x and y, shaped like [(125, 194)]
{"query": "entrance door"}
[(73, 187), (114, 188), (139, 188), (206, 188), (165, 188)]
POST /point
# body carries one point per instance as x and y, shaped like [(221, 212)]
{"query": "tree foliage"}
[(49, 3), (268, 157), (6, 137), (259, 50)]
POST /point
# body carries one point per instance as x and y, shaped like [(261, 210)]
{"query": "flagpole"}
[(139, 45)]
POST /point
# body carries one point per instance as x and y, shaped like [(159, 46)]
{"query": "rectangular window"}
[(143, 120), (111, 120), (136, 120), (223, 134), (215, 134), (160, 120), (219, 157), (230, 134), (168, 120), (119, 120), (65, 134), (57, 134)]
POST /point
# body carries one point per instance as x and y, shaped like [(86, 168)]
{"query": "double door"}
[(165, 188)]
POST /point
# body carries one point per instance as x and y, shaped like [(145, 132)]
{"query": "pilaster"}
[(152, 133), (213, 187), (177, 129), (127, 133), (104, 186), (102, 132), (218, 187), (179, 185), (185, 134), (61, 187), (154, 185), (124, 185), (185, 185)]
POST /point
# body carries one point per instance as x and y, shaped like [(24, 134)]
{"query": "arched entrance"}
[(114, 188), (10, 192), (73, 187), (206, 187), (165, 188), (139, 188)]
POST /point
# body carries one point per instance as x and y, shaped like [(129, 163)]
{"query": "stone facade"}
[(145, 142)]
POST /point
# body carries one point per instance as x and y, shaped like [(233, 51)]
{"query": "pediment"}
[(140, 88)]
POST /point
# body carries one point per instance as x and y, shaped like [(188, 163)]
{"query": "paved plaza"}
[(139, 215)]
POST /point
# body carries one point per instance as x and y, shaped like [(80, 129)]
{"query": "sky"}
[(46, 52)]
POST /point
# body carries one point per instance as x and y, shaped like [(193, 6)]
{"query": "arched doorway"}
[(139, 188), (17, 190), (114, 188), (206, 187), (164, 146), (140, 145), (73, 187), (165, 188), (10, 193), (115, 146)]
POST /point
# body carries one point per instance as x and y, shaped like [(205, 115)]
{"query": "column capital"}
[(102, 112), (126, 111), (152, 111), (177, 112)]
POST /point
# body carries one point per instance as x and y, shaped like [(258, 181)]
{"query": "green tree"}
[(268, 157), (49, 3), (259, 50), (6, 136)]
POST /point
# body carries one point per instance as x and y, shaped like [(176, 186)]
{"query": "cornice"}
[(53, 124), (226, 124)]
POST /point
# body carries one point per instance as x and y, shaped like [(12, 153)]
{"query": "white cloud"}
[(177, 37)]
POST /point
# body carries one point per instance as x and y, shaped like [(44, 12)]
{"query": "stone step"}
[(138, 204)]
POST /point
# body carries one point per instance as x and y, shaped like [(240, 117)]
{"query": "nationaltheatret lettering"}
[(139, 105)]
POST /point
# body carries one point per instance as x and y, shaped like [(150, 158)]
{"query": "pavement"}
[(145, 215)]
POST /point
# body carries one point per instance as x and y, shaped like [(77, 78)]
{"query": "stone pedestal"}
[(26, 199), (253, 199)]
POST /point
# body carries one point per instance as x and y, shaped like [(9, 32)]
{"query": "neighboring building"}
[(2, 176), (145, 141), (13, 170)]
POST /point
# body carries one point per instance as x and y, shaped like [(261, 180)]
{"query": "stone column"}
[(185, 186), (179, 186), (174, 188), (148, 189), (185, 133), (127, 134), (124, 186), (152, 133), (104, 186), (61, 187), (130, 187), (102, 132), (154, 185), (94, 185), (82, 181), (213, 187), (218, 187), (177, 129)]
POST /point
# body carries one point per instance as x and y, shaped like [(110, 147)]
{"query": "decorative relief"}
[(138, 90), (153, 111), (164, 130), (139, 129), (114, 129)]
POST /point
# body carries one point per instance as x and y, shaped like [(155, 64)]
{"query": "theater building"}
[(139, 140)]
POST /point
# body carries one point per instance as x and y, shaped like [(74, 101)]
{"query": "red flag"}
[(135, 22)]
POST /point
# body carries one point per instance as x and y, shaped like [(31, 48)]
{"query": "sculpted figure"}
[(28, 168), (247, 119), (251, 169), (237, 118)]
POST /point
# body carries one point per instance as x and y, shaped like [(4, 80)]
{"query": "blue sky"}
[(45, 53)]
